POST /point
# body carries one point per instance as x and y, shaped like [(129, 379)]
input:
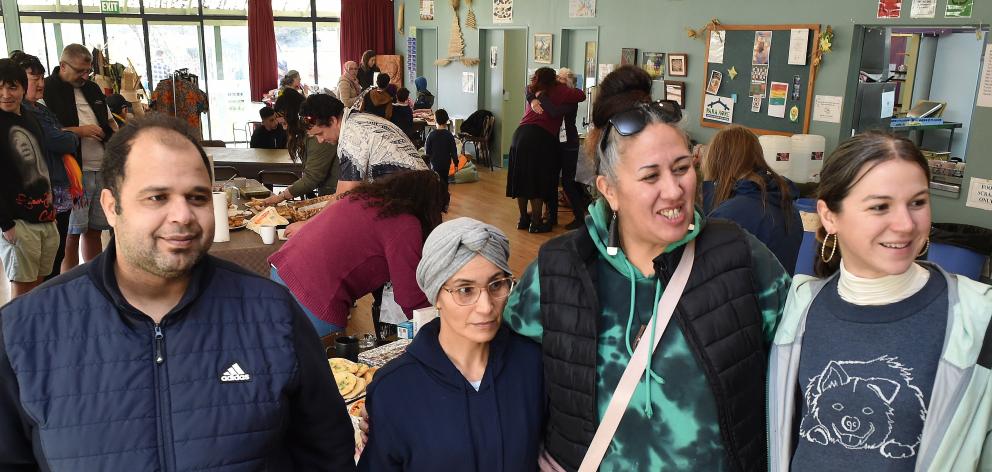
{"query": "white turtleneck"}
[(881, 290)]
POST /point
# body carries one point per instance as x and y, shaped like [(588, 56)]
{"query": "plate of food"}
[(352, 378), (235, 222)]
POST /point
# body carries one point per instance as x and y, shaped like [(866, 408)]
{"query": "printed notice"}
[(716, 46), (776, 99), (827, 108), (980, 194), (923, 9), (985, 84), (718, 108), (888, 103), (798, 43)]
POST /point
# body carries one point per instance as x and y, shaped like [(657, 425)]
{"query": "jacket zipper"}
[(158, 342)]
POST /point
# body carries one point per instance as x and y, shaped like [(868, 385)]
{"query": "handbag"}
[(638, 363)]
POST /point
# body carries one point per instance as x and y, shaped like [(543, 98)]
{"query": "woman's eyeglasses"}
[(467, 295), (633, 121)]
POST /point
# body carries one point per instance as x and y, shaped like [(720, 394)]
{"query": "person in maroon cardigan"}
[(372, 235), (531, 175)]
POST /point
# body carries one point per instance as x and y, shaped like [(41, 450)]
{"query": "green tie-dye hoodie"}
[(680, 429)]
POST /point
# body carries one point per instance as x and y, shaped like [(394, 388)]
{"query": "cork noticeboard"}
[(738, 53)]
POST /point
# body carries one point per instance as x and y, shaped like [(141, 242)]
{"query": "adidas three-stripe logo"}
[(235, 374)]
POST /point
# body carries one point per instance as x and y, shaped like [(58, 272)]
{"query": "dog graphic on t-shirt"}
[(854, 404)]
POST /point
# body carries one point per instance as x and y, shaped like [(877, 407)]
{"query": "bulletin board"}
[(738, 49)]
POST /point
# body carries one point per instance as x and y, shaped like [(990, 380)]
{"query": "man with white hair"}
[(82, 109)]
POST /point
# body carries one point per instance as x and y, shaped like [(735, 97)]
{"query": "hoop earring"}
[(613, 244), (823, 249), (926, 247)]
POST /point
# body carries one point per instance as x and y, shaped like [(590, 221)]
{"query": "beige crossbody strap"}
[(635, 368)]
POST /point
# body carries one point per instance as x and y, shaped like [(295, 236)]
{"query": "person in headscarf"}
[(425, 99), (477, 386), (367, 70), (348, 87)]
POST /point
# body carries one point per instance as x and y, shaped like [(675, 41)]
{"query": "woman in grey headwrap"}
[(468, 393)]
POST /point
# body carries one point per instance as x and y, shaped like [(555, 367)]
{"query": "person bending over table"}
[(369, 148), (475, 387), (319, 155), (374, 234)]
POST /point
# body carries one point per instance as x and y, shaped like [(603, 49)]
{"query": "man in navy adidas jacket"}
[(155, 356)]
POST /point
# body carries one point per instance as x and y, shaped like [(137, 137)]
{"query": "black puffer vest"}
[(719, 317)]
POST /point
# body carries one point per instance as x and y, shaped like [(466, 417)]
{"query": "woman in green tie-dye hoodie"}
[(593, 291)]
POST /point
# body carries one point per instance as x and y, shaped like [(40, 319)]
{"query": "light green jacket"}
[(956, 433)]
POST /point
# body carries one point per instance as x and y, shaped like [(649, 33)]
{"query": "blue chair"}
[(956, 260), (807, 250)]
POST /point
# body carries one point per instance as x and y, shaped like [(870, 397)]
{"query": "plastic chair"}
[(222, 173), (957, 260)]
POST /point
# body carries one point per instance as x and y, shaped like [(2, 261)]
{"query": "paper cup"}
[(282, 233), (268, 234)]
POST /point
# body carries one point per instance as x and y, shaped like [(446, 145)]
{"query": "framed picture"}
[(590, 68), (426, 9), (654, 64), (678, 64), (543, 48), (675, 91), (628, 57)]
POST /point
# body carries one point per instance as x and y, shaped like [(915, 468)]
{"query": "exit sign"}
[(110, 6)]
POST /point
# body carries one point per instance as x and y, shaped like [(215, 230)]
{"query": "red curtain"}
[(366, 24), (263, 72)]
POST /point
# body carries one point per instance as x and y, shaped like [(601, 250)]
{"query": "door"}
[(491, 80), (426, 55), (574, 44)]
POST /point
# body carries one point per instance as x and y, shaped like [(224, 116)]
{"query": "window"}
[(3, 36), (328, 55), (207, 37), (294, 49), (172, 7), (227, 72), (329, 8), (290, 8), (126, 43)]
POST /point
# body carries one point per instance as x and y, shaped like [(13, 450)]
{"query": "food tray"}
[(379, 356)]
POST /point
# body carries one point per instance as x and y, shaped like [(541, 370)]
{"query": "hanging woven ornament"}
[(401, 15), (456, 46), (470, 20)]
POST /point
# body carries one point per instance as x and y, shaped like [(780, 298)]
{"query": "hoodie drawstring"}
[(648, 372)]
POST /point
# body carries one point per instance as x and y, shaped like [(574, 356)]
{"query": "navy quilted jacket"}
[(233, 379)]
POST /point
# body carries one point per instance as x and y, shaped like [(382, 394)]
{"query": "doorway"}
[(502, 79), (583, 61), (426, 55)]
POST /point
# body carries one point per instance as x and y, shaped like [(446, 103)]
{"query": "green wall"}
[(660, 25)]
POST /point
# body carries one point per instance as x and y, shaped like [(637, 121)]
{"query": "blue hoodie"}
[(782, 233), (425, 416)]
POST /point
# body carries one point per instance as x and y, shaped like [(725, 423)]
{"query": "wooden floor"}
[(483, 200)]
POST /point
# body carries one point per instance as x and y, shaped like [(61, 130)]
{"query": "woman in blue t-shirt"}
[(879, 364)]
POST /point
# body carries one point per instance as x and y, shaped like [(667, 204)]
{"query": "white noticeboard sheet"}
[(985, 84), (980, 194), (717, 39), (923, 9), (827, 108), (798, 43), (888, 103)]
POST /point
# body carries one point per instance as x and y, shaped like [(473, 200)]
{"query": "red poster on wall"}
[(889, 8)]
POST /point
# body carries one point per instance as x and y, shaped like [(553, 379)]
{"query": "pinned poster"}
[(762, 47), (756, 103), (604, 70), (958, 8), (888, 103), (985, 82), (798, 44), (923, 9), (717, 39), (718, 108), (468, 82), (776, 99), (889, 9), (827, 108)]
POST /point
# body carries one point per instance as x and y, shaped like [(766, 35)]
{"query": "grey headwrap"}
[(452, 245)]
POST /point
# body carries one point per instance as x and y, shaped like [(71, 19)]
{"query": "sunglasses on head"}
[(633, 121)]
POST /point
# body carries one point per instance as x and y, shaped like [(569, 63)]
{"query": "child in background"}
[(441, 152)]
